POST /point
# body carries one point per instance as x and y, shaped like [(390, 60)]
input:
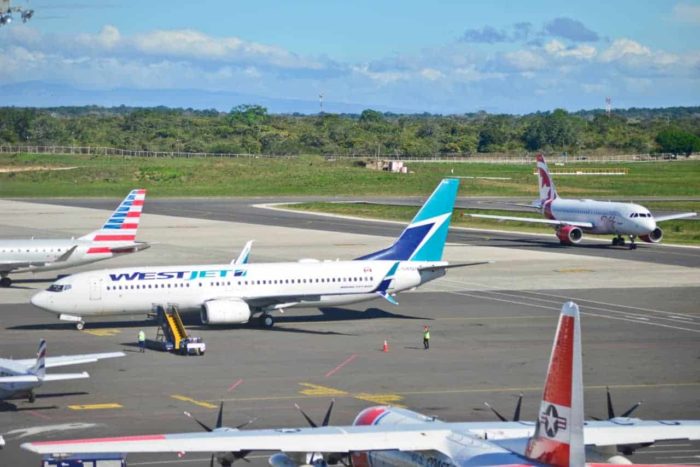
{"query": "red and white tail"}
[(124, 221), (558, 437), (545, 183)]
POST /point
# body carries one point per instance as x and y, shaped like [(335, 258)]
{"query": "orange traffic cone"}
[(385, 347)]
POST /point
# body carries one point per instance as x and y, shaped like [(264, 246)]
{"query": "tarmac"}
[(491, 326)]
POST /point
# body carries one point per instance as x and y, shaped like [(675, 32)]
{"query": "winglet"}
[(244, 255), (558, 437), (39, 368)]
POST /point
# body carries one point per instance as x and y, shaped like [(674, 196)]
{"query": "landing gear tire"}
[(32, 397), (5, 282), (633, 246), (267, 321), (80, 325)]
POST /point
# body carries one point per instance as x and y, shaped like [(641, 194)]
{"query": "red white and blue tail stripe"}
[(124, 221)]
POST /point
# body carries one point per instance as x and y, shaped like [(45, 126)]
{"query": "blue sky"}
[(437, 56)]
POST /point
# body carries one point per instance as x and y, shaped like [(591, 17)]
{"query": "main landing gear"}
[(5, 282), (32, 397), (620, 241), (266, 320), (80, 325)]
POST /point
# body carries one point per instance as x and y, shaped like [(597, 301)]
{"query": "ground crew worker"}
[(142, 341), (426, 337)]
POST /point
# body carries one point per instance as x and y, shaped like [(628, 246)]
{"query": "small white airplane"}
[(389, 436), (116, 237), (572, 217), (232, 293), (19, 378)]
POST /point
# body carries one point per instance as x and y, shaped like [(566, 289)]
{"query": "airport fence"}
[(437, 158)]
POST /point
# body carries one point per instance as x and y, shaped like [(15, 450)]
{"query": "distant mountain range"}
[(41, 94)]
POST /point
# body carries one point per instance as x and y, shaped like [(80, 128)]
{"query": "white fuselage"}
[(607, 217), (45, 254), (7, 390), (263, 286)]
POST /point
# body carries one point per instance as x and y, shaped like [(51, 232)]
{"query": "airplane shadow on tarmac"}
[(192, 321), (8, 406)]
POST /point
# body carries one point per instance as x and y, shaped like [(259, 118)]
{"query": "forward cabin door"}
[(95, 289)]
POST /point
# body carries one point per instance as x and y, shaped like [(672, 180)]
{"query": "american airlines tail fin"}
[(39, 368), (558, 437), (124, 221), (424, 238), (544, 180)]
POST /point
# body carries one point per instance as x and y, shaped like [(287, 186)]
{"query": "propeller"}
[(516, 413), (332, 458), (611, 409), (223, 460)]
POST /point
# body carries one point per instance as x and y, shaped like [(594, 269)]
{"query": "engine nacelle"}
[(654, 237), (569, 234), (225, 312)]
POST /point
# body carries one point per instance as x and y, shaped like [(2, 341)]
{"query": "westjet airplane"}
[(116, 237), (572, 217), (232, 293)]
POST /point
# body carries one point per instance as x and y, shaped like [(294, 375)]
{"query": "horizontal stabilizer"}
[(585, 225), (133, 248), (436, 267), (65, 376), (19, 379)]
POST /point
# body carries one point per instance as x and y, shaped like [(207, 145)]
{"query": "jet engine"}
[(654, 237), (569, 234), (225, 312)]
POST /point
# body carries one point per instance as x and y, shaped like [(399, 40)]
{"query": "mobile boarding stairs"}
[(172, 335)]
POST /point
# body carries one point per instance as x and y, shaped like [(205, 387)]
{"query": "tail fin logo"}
[(552, 422), (546, 186), (124, 221)]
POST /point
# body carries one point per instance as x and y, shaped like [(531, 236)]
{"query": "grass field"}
[(113, 176), (680, 232)]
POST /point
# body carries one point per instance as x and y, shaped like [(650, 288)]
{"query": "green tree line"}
[(251, 129)]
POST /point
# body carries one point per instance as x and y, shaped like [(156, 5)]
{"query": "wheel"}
[(5, 282), (615, 241), (267, 321), (80, 325), (32, 397), (633, 246)]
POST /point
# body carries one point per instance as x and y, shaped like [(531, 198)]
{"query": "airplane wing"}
[(19, 379), (132, 248), (65, 360), (65, 376), (670, 217), (586, 225), (28, 378), (341, 439), (323, 439)]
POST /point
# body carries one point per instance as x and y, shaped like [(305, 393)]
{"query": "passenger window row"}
[(242, 283)]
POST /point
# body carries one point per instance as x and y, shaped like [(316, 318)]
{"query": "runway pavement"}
[(492, 328)]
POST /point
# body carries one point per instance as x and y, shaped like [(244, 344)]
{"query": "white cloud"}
[(686, 13), (581, 52), (525, 60), (431, 74), (624, 48)]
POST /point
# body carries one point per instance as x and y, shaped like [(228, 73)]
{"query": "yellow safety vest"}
[(426, 335)]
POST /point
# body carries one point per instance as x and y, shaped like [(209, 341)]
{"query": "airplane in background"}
[(116, 237), (20, 377), (384, 435), (572, 217), (232, 293)]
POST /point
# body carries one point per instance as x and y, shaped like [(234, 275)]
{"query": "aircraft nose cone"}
[(39, 300)]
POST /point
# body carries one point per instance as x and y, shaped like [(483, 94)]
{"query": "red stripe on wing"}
[(117, 439)]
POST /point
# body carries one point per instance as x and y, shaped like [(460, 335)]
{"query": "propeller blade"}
[(503, 419), (252, 420), (211, 461), (611, 410), (241, 455), (516, 414), (308, 419), (327, 417), (206, 428), (632, 409), (220, 417)]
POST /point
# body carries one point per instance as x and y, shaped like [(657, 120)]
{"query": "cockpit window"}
[(59, 288)]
